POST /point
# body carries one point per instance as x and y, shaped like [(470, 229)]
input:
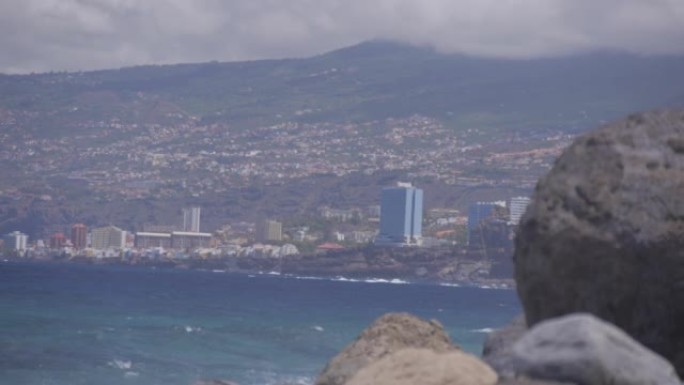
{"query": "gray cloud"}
[(44, 35)]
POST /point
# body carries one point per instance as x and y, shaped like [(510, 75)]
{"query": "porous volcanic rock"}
[(583, 349), (530, 381), (426, 367), (388, 334), (604, 233)]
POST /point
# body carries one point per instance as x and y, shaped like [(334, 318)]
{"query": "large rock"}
[(388, 334), (605, 232), (582, 349), (529, 381), (498, 346), (425, 367)]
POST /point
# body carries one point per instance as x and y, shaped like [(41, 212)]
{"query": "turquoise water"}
[(67, 324)]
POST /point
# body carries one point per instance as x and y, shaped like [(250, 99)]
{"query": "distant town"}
[(109, 173), (398, 222)]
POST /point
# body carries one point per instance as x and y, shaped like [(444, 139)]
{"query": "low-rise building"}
[(189, 240), (146, 240)]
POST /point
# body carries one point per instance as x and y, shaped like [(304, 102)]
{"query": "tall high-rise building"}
[(401, 216), (191, 219), (108, 237), (79, 236), (270, 231), (15, 241), (517, 209), (57, 241), (480, 212)]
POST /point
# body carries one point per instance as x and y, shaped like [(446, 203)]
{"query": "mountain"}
[(373, 80), (132, 146)]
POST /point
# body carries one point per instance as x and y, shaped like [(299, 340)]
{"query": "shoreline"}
[(357, 277)]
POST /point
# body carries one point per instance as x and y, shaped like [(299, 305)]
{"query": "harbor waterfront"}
[(64, 323)]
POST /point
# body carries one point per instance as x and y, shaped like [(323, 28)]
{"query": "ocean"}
[(70, 324)]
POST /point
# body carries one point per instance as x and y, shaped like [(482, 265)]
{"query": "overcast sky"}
[(44, 35)]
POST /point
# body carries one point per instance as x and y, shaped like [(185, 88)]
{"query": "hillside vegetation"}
[(374, 80)]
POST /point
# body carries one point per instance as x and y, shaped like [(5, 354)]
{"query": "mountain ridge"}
[(365, 82)]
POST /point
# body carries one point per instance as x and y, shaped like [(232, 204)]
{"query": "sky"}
[(73, 35)]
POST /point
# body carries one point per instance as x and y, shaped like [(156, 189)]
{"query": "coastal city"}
[(398, 220), (189, 165)]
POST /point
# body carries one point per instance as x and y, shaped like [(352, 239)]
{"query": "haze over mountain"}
[(39, 35)]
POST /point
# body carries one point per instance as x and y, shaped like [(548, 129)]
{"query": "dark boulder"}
[(604, 233)]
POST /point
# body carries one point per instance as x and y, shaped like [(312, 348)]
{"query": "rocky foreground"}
[(600, 272)]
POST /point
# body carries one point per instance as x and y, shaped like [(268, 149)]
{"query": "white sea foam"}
[(318, 328), (218, 271), (275, 379), (494, 286), (190, 329), (395, 281), (120, 364), (308, 278), (447, 284), (483, 330), (131, 374), (344, 279)]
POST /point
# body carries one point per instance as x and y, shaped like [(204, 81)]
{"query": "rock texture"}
[(497, 348), (426, 367), (215, 382), (388, 334), (529, 381), (582, 349), (605, 232)]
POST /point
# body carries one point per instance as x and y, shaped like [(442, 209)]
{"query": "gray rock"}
[(425, 367), (529, 381), (388, 334), (604, 233), (215, 382), (496, 351), (582, 349)]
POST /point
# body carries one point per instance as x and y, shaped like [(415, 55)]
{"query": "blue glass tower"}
[(401, 216), (480, 212)]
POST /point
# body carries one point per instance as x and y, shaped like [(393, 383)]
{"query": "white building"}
[(15, 241), (191, 219), (517, 209), (189, 240), (108, 237), (270, 231), (146, 240)]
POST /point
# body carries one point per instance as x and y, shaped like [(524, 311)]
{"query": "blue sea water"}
[(68, 324)]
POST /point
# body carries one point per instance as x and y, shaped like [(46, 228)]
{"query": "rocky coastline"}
[(369, 276), (447, 266)]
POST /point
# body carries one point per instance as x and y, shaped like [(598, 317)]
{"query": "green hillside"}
[(369, 81)]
